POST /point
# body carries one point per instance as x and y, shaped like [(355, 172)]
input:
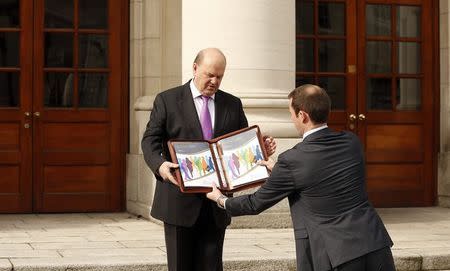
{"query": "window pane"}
[(58, 89), (408, 94), (9, 13), (304, 80), (335, 87), (332, 18), (408, 21), (93, 51), (9, 90), (379, 94), (58, 49), (378, 20), (305, 55), (409, 57), (378, 57), (93, 14), (9, 49), (93, 90), (59, 14), (304, 18), (332, 56)]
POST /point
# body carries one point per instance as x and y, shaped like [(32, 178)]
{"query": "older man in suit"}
[(194, 227), (324, 179)]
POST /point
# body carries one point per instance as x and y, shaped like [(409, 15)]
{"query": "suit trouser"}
[(196, 248), (303, 252), (379, 260)]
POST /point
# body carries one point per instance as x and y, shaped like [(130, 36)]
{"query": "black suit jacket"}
[(324, 179), (174, 117)]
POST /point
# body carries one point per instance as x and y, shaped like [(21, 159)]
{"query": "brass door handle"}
[(352, 117), (37, 114), (361, 117), (27, 114)]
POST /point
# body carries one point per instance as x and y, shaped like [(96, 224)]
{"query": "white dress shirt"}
[(314, 130)]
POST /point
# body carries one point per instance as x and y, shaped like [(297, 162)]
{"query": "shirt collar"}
[(195, 92), (314, 130)]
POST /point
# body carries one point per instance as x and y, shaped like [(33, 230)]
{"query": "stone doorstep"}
[(404, 261)]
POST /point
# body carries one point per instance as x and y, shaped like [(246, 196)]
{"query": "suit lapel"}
[(189, 112), (221, 113)]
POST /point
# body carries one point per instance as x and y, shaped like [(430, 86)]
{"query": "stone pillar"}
[(444, 150), (258, 39), (155, 64)]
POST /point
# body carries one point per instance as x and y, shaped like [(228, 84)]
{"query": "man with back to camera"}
[(324, 179), (194, 227)]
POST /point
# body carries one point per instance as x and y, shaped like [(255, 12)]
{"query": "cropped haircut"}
[(313, 100)]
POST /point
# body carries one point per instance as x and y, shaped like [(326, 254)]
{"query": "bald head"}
[(208, 69), (313, 100), (210, 54)]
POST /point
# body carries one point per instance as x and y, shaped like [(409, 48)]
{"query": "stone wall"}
[(258, 38), (155, 61)]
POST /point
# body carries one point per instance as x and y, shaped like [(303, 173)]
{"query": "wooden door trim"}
[(125, 29), (437, 98)]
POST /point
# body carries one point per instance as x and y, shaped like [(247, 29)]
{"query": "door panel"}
[(397, 127), (77, 165), (15, 101), (394, 143)]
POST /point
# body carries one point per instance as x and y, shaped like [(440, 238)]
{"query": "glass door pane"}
[(322, 42)]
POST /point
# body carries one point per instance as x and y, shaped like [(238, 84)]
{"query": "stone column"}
[(444, 150), (155, 61), (258, 39)]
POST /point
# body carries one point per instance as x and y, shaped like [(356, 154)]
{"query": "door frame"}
[(437, 98)]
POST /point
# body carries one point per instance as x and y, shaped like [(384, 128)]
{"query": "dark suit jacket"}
[(174, 117), (324, 179)]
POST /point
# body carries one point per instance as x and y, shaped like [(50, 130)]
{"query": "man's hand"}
[(269, 144), (165, 171), (269, 164), (214, 194)]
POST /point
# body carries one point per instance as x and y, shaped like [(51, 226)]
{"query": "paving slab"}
[(5, 265)]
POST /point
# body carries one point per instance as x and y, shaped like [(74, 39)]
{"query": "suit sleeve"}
[(278, 186), (154, 136)]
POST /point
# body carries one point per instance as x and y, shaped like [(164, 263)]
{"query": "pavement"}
[(121, 241)]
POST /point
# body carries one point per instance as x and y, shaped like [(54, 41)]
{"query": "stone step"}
[(404, 261)]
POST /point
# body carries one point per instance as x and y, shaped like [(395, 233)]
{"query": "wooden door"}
[(396, 96), (78, 105), (15, 106), (375, 59), (63, 104)]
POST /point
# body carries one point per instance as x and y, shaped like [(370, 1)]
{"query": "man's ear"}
[(194, 68), (304, 115)]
